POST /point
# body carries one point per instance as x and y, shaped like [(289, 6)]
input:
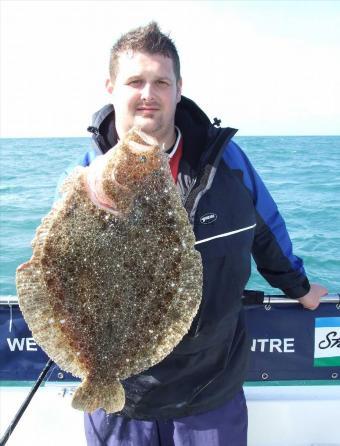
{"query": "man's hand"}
[(311, 300), (95, 183)]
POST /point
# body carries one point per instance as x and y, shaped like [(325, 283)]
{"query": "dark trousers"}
[(223, 426)]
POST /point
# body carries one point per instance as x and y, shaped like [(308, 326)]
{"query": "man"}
[(194, 396)]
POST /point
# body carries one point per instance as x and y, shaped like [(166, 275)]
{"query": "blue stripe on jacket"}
[(88, 158), (236, 159)]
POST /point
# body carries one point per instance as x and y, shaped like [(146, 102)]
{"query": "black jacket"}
[(233, 216)]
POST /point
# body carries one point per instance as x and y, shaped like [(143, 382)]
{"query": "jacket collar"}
[(199, 134)]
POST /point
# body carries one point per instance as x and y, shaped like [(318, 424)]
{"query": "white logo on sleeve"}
[(208, 218)]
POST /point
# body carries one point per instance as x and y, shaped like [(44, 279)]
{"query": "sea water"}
[(301, 173)]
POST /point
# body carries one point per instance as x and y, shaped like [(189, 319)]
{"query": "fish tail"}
[(93, 394)]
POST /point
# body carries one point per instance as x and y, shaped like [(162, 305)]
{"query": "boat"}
[(292, 387)]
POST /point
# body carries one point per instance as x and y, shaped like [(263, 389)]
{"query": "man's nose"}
[(147, 92)]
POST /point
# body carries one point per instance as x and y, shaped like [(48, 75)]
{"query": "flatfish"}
[(114, 281)]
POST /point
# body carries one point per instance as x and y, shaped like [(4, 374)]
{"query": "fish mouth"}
[(139, 148), (141, 142)]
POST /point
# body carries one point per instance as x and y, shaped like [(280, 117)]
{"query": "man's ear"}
[(179, 90), (109, 86)]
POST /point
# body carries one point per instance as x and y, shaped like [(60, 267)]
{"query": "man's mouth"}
[(147, 108)]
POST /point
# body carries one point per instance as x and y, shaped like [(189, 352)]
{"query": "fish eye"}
[(143, 159)]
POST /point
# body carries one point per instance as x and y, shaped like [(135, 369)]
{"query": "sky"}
[(265, 67)]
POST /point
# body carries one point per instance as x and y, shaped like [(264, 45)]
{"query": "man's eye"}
[(135, 82), (162, 83)]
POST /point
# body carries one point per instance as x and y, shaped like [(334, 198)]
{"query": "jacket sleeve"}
[(272, 247), (86, 160)]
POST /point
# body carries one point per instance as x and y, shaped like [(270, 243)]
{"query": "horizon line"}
[(237, 136)]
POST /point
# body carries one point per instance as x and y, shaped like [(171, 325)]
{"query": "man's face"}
[(145, 94)]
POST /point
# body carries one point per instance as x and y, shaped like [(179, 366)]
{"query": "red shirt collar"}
[(176, 155)]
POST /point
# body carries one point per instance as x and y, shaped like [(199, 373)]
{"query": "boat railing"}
[(249, 298)]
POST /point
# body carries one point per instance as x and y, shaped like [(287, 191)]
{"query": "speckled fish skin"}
[(108, 295)]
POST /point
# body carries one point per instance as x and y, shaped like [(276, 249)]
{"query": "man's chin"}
[(147, 125)]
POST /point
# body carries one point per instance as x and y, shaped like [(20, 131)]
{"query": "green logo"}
[(327, 342)]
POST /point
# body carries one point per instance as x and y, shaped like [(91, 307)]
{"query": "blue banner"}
[(21, 359), (287, 343), (291, 343)]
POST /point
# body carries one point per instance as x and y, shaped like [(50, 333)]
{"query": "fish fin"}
[(92, 395), (37, 303)]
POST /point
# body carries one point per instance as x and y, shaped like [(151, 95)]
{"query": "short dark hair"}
[(145, 39)]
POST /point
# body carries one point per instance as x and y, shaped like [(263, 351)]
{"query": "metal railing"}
[(249, 298), (260, 298)]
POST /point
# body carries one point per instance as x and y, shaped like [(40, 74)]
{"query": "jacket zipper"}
[(221, 137), (191, 188), (185, 199)]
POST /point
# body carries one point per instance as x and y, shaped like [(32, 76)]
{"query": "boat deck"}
[(278, 416)]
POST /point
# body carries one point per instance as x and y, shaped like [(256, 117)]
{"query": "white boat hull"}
[(278, 416)]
